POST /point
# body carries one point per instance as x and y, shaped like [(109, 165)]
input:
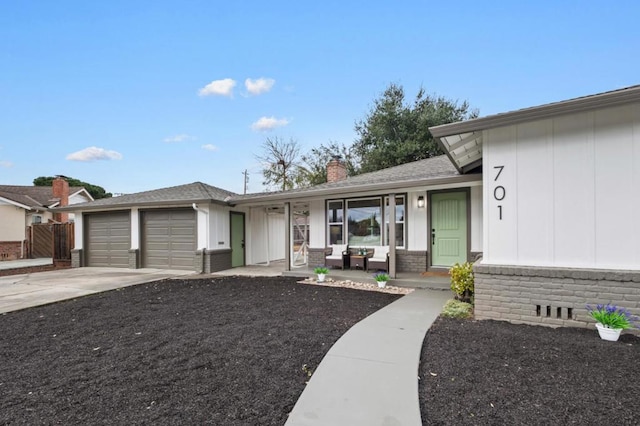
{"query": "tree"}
[(281, 162), (96, 191), (395, 133), (315, 162)]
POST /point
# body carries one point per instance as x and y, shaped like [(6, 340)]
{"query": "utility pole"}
[(246, 180)]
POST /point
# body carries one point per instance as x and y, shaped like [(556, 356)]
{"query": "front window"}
[(364, 219)]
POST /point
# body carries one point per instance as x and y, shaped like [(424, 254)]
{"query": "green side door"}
[(448, 228), (237, 239)]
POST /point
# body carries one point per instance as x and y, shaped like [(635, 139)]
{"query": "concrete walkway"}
[(370, 376), (41, 288)]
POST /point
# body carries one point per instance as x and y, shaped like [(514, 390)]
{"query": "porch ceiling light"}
[(421, 202)]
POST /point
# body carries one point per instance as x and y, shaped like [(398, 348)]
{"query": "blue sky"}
[(158, 89)]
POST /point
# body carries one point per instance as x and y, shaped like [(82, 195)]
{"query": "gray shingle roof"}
[(182, 194), (33, 196), (427, 169)]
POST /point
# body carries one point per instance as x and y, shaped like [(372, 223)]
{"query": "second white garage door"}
[(168, 238)]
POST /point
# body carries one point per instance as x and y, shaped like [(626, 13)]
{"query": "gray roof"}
[(196, 192), (33, 196), (432, 170), (401, 177)]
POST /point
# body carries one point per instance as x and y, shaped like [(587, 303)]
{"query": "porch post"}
[(392, 235), (287, 236)]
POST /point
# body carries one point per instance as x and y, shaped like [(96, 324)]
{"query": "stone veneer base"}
[(551, 296)]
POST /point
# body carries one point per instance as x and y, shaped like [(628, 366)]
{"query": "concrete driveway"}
[(41, 288)]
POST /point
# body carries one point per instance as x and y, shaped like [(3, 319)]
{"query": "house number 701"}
[(499, 192)]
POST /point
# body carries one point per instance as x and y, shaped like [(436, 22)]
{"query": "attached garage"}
[(108, 239), (168, 238)]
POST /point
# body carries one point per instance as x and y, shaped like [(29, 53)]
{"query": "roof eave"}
[(609, 99), (399, 185), (15, 203), (83, 207)]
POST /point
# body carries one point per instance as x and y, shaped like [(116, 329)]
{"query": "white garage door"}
[(168, 238), (108, 239)]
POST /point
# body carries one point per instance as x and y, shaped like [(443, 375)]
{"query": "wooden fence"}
[(53, 240)]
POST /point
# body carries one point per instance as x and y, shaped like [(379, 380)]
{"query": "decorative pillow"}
[(380, 252), (338, 249)]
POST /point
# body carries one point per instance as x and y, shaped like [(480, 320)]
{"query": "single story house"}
[(546, 197), (22, 206)]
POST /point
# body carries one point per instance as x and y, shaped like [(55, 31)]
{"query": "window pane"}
[(399, 234), (399, 209), (335, 212), (364, 217), (335, 234)]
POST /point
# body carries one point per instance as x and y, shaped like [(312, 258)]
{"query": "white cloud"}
[(6, 164), (94, 153), (218, 88), (178, 138), (209, 147), (259, 86), (268, 123)]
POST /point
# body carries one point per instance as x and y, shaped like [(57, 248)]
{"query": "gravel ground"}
[(490, 372), (225, 351)]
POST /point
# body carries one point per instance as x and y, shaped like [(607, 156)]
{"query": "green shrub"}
[(462, 281), (457, 309)]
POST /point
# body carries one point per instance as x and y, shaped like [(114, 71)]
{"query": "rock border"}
[(358, 286)]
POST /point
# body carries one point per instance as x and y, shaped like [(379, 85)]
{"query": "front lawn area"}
[(496, 373), (226, 351)]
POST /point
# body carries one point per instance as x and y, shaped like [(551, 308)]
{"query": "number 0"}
[(499, 193)]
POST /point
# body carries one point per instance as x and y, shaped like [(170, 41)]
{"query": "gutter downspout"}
[(204, 249), (266, 220)]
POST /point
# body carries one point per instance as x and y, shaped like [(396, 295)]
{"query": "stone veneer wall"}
[(411, 261), (77, 257), (215, 260), (551, 296), (315, 257), (134, 258)]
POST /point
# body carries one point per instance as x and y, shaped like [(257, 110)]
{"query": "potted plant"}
[(322, 272), (611, 320), (381, 278)]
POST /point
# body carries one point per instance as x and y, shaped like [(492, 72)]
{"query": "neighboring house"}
[(22, 206), (547, 196)]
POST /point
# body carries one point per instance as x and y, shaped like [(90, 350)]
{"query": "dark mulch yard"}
[(226, 351), (490, 372)]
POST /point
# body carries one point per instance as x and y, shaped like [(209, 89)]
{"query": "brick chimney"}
[(60, 188), (336, 169)]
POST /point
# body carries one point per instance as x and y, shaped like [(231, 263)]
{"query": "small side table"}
[(358, 261)]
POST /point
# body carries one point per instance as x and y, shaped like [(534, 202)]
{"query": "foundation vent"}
[(557, 312)]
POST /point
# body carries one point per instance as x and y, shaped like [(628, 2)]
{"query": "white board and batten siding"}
[(564, 191)]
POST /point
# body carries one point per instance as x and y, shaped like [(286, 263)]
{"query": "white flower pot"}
[(321, 277), (606, 333), (381, 284)]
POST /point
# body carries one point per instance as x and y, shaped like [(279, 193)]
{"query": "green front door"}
[(448, 228), (237, 239)]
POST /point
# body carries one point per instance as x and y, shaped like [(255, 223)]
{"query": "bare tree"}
[(280, 162)]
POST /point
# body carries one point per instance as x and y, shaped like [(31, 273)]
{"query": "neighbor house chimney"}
[(60, 188), (336, 169)]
